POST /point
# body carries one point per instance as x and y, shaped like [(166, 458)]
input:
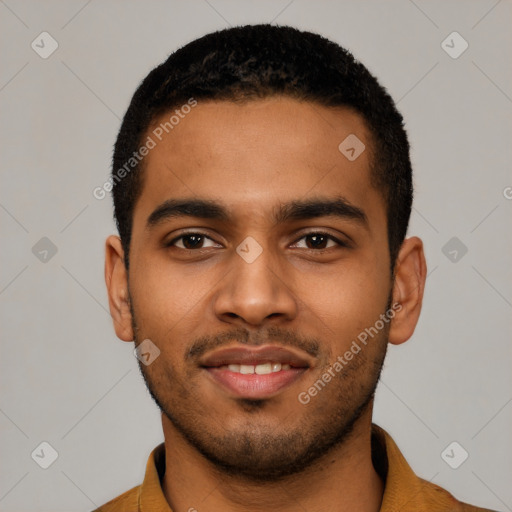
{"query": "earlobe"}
[(116, 279), (408, 289)]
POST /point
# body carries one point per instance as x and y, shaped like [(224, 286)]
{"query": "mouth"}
[(255, 373)]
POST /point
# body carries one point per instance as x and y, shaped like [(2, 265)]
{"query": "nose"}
[(255, 291)]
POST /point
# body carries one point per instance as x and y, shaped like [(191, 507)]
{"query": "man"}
[(262, 190)]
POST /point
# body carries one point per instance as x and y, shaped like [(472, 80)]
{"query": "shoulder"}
[(126, 502), (404, 490), (437, 498)]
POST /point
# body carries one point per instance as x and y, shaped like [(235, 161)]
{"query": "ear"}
[(116, 279), (408, 288)]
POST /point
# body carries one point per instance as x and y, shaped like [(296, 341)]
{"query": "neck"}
[(342, 480)]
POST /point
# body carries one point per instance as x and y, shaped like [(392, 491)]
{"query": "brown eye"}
[(319, 241), (190, 241)]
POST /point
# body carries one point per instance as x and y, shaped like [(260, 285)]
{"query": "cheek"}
[(345, 301), (162, 295)]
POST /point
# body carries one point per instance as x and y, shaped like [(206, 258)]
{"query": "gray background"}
[(67, 380)]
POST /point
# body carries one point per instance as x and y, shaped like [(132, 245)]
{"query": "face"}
[(278, 266)]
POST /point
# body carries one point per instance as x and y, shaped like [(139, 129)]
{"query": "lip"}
[(254, 386), (256, 355)]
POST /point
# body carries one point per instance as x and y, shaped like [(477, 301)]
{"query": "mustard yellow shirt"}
[(403, 491)]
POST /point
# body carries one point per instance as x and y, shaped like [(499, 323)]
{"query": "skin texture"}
[(222, 452)]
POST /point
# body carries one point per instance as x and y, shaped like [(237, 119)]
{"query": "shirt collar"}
[(151, 495), (402, 486)]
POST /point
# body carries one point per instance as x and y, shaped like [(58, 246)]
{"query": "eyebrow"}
[(292, 211)]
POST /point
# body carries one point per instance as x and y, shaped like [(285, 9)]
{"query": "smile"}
[(259, 369), (255, 372), (255, 382)]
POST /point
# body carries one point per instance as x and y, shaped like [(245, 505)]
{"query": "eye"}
[(190, 241), (318, 239)]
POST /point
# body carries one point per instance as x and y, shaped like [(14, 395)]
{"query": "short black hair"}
[(260, 61)]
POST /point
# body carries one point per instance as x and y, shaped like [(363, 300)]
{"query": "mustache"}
[(272, 335)]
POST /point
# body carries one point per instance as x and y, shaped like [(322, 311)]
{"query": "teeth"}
[(263, 369), (259, 369), (246, 369)]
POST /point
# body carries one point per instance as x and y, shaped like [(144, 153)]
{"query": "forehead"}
[(256, 154)]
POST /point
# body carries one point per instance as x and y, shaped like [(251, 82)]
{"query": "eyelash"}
[(204, 235)]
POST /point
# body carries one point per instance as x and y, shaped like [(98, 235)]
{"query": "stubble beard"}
[(257, 451)]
